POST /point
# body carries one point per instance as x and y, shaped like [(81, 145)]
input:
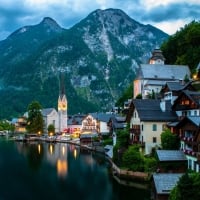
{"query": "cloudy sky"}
[(167, 15)]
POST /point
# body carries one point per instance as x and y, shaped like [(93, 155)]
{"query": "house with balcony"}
[(96, 123), (172, 89), (187, 108), (148, 118), (74, 124), (20, 124)]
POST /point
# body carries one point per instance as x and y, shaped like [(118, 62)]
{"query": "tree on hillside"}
[(184, 46), (35, 119), (169, 141), (128, 94)]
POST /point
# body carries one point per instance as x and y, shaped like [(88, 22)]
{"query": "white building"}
[(50, 116), (153, 76)]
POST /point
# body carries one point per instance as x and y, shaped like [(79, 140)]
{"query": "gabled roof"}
[(104, 117), (118, 122), (164, 183), (192, 95), (171, 155), (177, 85), (191, 119), (150, 110), (160, 71), (75, 120), (47, 111)]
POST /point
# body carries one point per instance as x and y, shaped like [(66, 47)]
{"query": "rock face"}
[(99, 57)]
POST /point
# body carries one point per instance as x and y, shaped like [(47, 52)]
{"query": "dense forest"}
[(184, 46)]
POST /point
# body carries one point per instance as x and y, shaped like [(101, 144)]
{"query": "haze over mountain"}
[(99, 57)]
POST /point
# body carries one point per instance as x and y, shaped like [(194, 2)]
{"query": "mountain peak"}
[(51, 23)]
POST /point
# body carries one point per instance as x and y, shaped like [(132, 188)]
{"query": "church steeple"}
[(62, 100), (157, 57), (62, 104)]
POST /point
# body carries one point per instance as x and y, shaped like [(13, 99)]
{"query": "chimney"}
[(163, 105)]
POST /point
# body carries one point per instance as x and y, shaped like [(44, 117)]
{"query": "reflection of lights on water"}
[(63, 150), (39, 148), (75, 153), (62, 167), (51, 149)]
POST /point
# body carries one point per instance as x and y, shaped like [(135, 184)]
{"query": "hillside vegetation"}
[(183, 48)]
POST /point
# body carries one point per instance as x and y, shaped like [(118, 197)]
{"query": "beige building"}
[(148, 118)]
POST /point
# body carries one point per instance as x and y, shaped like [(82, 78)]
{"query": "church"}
[(153, 76), (57, 118)]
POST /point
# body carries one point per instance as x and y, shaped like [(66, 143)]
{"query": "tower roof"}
[(157, 54), (62, 85)]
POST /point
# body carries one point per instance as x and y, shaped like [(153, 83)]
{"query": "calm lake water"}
[(58, 171)]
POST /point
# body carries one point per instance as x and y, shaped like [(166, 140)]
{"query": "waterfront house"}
[(74, 125), (20, 124), (96, 123), (148, 118), (163, 183), (153, 76)]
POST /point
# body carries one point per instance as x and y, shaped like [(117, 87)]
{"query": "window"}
[(154, 127), (154, 139)]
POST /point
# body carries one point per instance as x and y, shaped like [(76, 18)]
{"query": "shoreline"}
[(123, 177)]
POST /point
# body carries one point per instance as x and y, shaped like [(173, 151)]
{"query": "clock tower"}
[(62, 105)]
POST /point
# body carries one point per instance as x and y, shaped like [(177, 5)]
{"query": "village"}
[(165, 97)]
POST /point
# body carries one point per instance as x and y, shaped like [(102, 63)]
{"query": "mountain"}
[(98, 56)]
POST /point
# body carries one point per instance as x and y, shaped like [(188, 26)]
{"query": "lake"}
[(35, 171)]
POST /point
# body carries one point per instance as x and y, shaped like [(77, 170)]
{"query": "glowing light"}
[(39, 148), (63, 150), (75, 153), (62, 167), (51, 149)]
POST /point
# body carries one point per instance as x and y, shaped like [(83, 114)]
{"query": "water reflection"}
[(62, 167), (57, 171)]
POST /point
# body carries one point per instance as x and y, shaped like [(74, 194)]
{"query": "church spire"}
[(62, 104), (157, 57)]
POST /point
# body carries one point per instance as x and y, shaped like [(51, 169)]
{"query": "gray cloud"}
[(171, 12), (18, 13)]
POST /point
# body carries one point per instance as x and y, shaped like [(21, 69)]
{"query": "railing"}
[(135, 131), (190, 152)]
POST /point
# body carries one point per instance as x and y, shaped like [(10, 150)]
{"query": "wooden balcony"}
[(135, 131)]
